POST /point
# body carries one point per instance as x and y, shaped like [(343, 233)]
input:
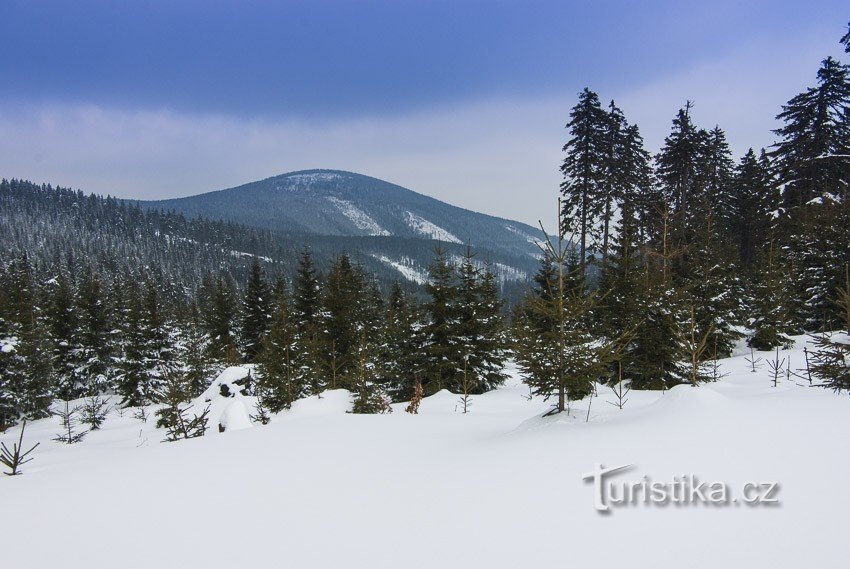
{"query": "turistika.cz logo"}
[(682, 490)]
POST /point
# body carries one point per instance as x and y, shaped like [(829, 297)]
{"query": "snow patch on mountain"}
[(530, 238), (406, 267), (424, 227), (358, 217)]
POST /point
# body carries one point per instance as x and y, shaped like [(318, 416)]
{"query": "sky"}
[(465, 101)]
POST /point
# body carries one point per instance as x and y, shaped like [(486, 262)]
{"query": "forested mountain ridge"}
[(54, 224), (335, 203)]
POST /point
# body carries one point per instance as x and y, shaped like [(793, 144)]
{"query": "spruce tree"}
[(368, 396), (342, 322), (442, 353), (401, 366), (220, 319), (306, 303), (255, 312), (815, 139), (561, 358), (278, 381), (94, 346), (753, 208), (62, 321), (584, 170), (768, 303)]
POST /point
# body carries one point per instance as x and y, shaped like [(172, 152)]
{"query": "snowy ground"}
[(499, 487)]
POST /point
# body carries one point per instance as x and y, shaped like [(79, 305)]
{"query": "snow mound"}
[(235, 417), (232, 381)]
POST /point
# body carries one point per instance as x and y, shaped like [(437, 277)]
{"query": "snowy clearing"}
[(499, 487), (427, 229), (358, 217)]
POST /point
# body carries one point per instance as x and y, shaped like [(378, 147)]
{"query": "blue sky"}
[(462, 100)]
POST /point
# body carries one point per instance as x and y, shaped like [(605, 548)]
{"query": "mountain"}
[(336, 210)]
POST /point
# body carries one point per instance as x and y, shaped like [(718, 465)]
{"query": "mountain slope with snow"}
[(500, 487), (366, 215)]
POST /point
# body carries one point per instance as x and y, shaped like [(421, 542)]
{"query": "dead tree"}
[(755, 363), (776, 368), (418, 394), (466, 387), (15, 458), (620, 393)]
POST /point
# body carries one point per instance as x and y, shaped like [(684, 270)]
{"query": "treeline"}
[(681, 255), (76, 334)]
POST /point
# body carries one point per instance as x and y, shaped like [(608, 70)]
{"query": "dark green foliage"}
[(400, 354), (768, 296), (753, 208), (220, 320), (368, 396), (554, 349), (584, 170), (255, 312), (278, 381), (441, 348)]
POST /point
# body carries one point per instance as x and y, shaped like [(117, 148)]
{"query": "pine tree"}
[(342, 322), (157, 344), (753, 208), (584, 169), (220, 318), (306, 302), (615, 176), (480, 338), (401, 365), (442, 354), (562, 359), (368, 396), (678, 170), (278, 383), (133, 375), (62, 321), (199, 368), (768, 299), (714, 291), (95, 350), (815, 139), (255, 312)]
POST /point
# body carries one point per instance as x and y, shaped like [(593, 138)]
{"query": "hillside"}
[(361, 214), (498, 487)]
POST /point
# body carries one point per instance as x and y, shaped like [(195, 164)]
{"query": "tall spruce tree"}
[(442, 353), (278, 383), (401, 363), (256, 305), (584, 171), (554, 349), (220, 319), (94, 348), (753, 208), (306, 303)]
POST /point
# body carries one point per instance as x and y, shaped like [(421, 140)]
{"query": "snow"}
[(235, 417), (8, 344), (499, 487), (431, 230), (406, 267), (358, 217)]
